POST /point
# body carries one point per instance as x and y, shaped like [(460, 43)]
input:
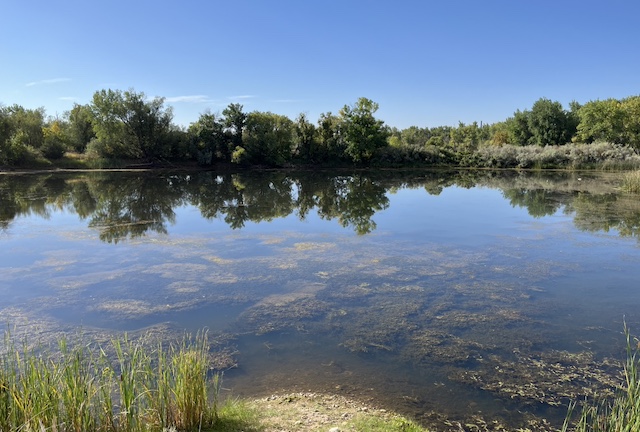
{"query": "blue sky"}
[(427, 63)]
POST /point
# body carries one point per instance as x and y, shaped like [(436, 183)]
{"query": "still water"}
[(495, 296)]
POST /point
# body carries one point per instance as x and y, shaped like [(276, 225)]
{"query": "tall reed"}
[(631, 182), (81, 388)]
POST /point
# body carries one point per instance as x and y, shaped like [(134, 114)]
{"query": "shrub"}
[(53, 148)]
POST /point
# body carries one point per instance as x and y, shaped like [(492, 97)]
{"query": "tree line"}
[(126, 125)]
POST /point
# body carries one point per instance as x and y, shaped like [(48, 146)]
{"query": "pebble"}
[(334, 429)]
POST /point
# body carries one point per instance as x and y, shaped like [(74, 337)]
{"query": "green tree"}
[(549, 123), (468, 137), (80, 127), (415, 136), (54, 140), (305, 137), (602, 120), (128, 125), (268, 138), (331, 144), (234, 122), (363, 133), (518, 128), (439, 136), (30, 122), (6, 131), (499, 134), (631, 108), (21, 133), (209, 140)]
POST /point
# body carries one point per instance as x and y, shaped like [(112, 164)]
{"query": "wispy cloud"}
[(48, 81), (241, 97), (68, 98), (189, 99)]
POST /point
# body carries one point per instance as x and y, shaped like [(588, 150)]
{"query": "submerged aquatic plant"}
[(622, 414)]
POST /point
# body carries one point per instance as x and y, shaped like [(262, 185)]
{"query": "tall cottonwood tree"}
[(234, 121), (550, 124), (128, 125), (363, 133), (305, 135), (80, 127)]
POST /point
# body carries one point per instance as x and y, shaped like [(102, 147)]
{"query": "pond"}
[(448, 296)]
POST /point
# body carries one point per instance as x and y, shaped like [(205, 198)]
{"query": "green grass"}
[(622, 414), (145, 388), (378, 424)]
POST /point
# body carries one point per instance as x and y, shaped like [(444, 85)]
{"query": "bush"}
[(566, 156), (53, 149)]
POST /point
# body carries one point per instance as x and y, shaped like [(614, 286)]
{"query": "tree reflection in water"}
[(128, 205)]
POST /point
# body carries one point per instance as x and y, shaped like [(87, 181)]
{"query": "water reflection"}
[(129, 205)]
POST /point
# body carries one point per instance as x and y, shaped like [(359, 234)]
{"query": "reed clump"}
[(80, 388), (622, 413), (631, 182)]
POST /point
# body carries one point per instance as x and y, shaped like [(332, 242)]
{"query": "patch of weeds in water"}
[(460, 319), (217, 260), (272, 240), (618, 412), (360, 291), (380, 326), (551, 377), (221, 278), (135, 309), (285, 265), (428, 346), (279, 312), (313, 246), (57, 260), (86, 280), (185, 287), (178, 269)]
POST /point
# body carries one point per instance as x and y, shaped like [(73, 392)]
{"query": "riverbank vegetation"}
[(138, 388), (141, 386), (126, 128)]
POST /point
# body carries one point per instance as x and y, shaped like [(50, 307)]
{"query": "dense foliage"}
[(126, 125)]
